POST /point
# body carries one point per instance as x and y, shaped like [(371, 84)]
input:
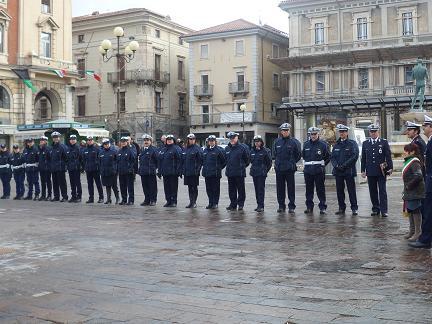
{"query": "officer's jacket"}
[(125, 160), (344, 157), (261, 162), (44, 153), (238, 159), (136, 150), (17, 163), (192, 160), (90, 158), (58, 157), (31, 158), (5, 163), (73, 158), (148, 161), (316, 156), (108, 161), (170, 160), (373, 155), (213, 161), (428, 165), (287, 152), (421, 144)]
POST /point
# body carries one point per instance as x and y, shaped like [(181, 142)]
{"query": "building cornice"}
[(237, 33)]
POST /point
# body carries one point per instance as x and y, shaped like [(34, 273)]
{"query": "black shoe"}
[(231, 208), (209, 206), (323, 212), (117, 200), (55, 199), (72, 200), (42, 198), (240, 208), (90, 201), (189, 206), (36, 197), (63, 200), (78, 200), (259, 209), (193, 205), (419, 245), (130, 203), (340, 212), (385, 215), (152, 203), (100, 201), (108, 202), (28, 198), (215, 206), (308, 211), (48, 198), (354, 212), (3, 197), (167, 205), (145, 203), (123, 203), (281, 210), (373, 214), (173, 205), (291, 211), (15, 198)]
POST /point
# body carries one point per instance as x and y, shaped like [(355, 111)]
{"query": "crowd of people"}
[(107, 165)]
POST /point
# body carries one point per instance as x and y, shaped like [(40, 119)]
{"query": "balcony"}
[(36, 60), (238, 88), (222, 118), (203, 91), (341, 94), (147, 76), (405, 90)]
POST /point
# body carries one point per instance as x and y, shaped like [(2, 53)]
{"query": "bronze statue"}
[(420, 75)]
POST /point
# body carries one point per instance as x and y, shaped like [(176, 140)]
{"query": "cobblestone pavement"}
[(76, 263)]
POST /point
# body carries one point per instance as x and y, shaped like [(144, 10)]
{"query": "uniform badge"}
[(380, 151), (319, 152)]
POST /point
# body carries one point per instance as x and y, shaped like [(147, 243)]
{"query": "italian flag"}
[(60, 72), (94, 75)]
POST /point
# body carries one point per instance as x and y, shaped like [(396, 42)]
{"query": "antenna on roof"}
[(259, 20)]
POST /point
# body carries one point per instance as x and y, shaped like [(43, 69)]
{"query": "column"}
[(69, 111), (28, 106)]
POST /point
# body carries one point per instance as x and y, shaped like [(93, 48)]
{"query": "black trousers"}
[(46, 186), (94, 176), (75, 183), (340, 190), (312, 182), (171, 188), (112, 184), (213, 190), (259, 184), (59, 184), (127, 187), (426, 235), (285, 180), (236, 190), (379, 201), (33, 182), (149, 186)]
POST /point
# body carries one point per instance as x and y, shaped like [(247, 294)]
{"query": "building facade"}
[(233, 84), (351, 61), (153, 86), (35, 36)]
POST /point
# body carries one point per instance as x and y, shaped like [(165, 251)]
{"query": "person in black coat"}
[(18, 168), (192, 163), (90, 160), (57, 158), (73, 162), (147, 169), (108, 170), (31, 160), (5, 171), (413, 133), (44, 169), (125, 168), (261, 163)]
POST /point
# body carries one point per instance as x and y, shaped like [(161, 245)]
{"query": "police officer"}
[(287, 151), (261, 163), (31, 160), (18, 168), (316, 156), (192, 163), (125, 168), (237, 160), (148, 160), (108, 170), (44, 169), (343, 158), (170, 167), (5, 171), (376, 164), (213, 163), (413, 133), (73, 158), (90, 158), (58, 168)]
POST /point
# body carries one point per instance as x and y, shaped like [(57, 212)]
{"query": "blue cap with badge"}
[(373, 127), (285, 126), (342, 128)]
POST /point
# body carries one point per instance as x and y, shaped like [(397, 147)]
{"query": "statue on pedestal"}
[(420, 75)]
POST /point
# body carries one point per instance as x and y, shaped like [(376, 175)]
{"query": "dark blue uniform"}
[(287, 153), (44, 172), (426, 235), (170, 167), (108, 171), (261, 163), (90, 158), (147, 169), (18, 168), (213, 163), (57, 160), (31, 160), (343, 158), (192, 163), (418, 140), (237, 160), (316, 156), (73, 164), (374, 154), (125, 169), (5, 173)]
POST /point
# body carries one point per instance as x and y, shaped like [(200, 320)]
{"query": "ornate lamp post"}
[(127, 56), (243, 108)]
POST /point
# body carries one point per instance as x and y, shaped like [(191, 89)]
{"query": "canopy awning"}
[(59, 124)]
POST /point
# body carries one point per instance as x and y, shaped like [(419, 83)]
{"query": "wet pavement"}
[(76, 263)]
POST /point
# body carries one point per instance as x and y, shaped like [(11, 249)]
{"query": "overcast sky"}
[(196, 14)]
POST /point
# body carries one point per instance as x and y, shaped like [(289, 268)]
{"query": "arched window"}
[(4, 98)]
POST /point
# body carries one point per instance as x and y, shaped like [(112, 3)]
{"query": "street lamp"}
[(127, 57), (243, 108)]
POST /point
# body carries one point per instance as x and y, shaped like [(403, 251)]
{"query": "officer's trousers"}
[(340, 190), (315, 181), (375, 184), (213, 190), (237, 192), (426, 236), (75, 183), (59, 184), (46, 186), (127, 187), (149, 186), (94, 176), (259, 184), (33, 182), (285, 180), (5, 179), (19, 178), (171, 188)]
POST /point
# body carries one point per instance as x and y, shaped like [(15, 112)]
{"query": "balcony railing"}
[(222, 118), (139, 75), (343, 94), (237, 88), (35, 60), (406, 90), (203, 90)]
